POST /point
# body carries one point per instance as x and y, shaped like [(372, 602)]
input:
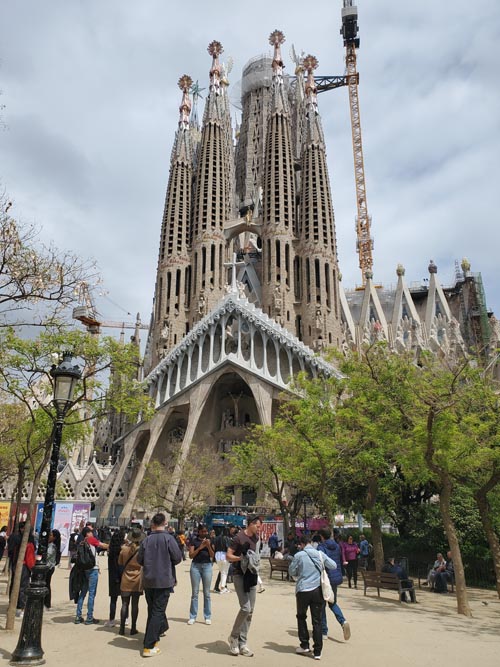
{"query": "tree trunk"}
[(451, 533), (485, 513), (375, 523), (378, 547), (19, 496), (16, 584)]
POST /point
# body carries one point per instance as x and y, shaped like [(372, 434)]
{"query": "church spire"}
[(185, 83), (278, 206), (213, 200), (317, 262), (173, 278), (279, 94), (314, 130), (215, 49)]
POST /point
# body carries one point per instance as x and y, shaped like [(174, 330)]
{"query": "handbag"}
[(326, 587)]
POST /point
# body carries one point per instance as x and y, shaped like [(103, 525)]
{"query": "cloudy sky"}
[(91, 107)]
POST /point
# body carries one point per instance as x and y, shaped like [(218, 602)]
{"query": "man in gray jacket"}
[(158, 555)]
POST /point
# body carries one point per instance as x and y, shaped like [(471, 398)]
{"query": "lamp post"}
[(29, 648)]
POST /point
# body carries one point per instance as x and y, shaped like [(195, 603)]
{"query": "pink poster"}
[(62, 521), (81, 514)]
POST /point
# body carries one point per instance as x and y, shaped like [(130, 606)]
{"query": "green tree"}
[(202, 474), (26, 385)]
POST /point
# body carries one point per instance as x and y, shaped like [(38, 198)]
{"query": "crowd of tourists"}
[(145, 564)]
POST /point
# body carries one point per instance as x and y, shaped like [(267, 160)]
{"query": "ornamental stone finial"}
[(369, 275), (310, 64), (185, 83), (276, 38), (432, 267), (400, 270), (215, 49)]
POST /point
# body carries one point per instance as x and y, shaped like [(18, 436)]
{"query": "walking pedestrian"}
[(158, 555), (221, 545), (114, 574), (53, 556), (245, 583), (131, 580), (364, 552), (202, 554), (306, 566), (87, 550), (350, 551), (28, 564), (3, 543), (332, 549)]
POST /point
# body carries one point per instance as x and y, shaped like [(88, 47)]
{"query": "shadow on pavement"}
[(218, 647), (63, 619), (279, 648), (127, 642)]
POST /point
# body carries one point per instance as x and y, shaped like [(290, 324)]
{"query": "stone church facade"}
[(248, 288)]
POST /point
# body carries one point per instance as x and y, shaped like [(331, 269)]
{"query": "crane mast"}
[(364, 242)]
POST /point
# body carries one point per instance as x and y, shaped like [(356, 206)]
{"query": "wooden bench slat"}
[(385, 580)]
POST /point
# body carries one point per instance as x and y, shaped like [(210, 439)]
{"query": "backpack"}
[(85, 558)]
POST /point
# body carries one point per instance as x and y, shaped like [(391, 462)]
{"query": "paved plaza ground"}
[(384, 632)]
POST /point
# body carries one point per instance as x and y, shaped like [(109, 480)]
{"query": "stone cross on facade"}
[(234, 265)]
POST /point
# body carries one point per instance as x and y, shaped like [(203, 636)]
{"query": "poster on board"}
[(80, 515), (4, 514), (62, 522)]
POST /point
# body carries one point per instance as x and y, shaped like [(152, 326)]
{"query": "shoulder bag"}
[(326, 587)]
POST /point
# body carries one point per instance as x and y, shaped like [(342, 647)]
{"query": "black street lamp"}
[(29, 647)]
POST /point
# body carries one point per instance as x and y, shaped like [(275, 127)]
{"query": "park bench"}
[(385, 580), (279, 565), (423, 579)]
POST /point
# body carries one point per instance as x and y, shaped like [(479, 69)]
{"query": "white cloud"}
[(92, 104)]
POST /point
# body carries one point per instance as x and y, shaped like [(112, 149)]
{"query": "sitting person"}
[(443, 576), (392, 568), (277, 554), (439, 566)]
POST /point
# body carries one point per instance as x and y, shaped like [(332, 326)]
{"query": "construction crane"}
[(86, 313), (364, 242)]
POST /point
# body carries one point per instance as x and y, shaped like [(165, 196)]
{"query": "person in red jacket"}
[(350, 552), (28, 564)]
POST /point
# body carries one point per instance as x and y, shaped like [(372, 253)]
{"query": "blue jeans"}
[(200, 572), (335, 609), (90, 587)]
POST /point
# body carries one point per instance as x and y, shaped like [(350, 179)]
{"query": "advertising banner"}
[(38, 517), (62, 521), (23, 515), (4, 514), (80, 515)]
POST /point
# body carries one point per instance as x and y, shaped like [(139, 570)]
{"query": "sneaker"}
[(150, 652), (346, 630), (208, 621), (109, 624), (325, 635), (224, 591), (302, 651), (261, 590), (92, 621), (317, 657), (191, 621), (78, 620), (19, 613), (234, 649), (244, 650)]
